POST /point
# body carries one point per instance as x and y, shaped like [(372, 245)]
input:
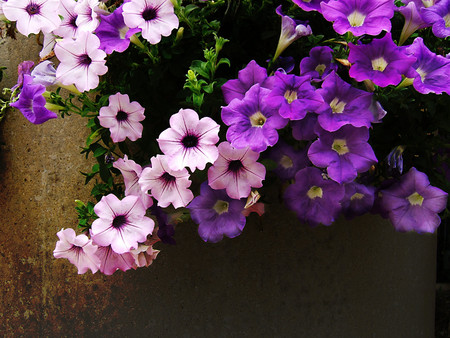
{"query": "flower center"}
[(306, 1), (84, 60), (340, 146), (415, 199), (123, 32), (221, 206), (119, 221), (337, 106), (235, 165), (286, 162), (290, 95), (422, 73), (315, 192), (167, 178), (379, 64), (121, 116), (149, 13), (190, 141), (320, 69), (258, 119), (447, 20), (357, 196), (428, 3), (356, 19), (73, 21), (33, 9)]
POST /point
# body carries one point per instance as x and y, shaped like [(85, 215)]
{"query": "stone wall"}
[(278, 279)]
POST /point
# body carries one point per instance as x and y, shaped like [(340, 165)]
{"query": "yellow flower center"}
[(356, 19), (447, 20), (357, 196), (257, 119), (340, 146), (221, 206), (379, 64), (286, 162), (337, 106), (315, 192), (290, 95), (428, 3), (320, 69), (422, 73), (415, 199)]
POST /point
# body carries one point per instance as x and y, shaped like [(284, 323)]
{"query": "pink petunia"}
[(81, 61), (121, 223), (111, 261), (79, 250), (236, 170), (122, 117), (166, 185), (190, 142)]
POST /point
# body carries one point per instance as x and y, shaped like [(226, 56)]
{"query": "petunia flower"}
[(68, 27), (111, 261), (414, 204), (252, 122), (122, 117), (413, 20), (303, 130), (190, 141), (79, 250), (32, 104), (236, 171), (48, 44), (291, 30), (156, 18), (217, 214), (44, 73), (288, 160), (247, 77), (24, 68), (345, 105), (431, 72), (144, 255), (167, 186), (131, 172), (81, 61), (319, 63), (359, 17), (358, 199), (88, 17), (310, 5), (32, 16), (439, 17), (294, 96), (344, 153), (380, 61), (313, 198), (121, 223), (114, 35)]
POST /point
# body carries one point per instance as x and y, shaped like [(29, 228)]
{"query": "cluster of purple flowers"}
[(317, 106)]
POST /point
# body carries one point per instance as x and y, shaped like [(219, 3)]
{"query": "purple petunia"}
[(381, 61), (319, 63), (217, 214), (288, 160), (414, 204), (439, 17), (303, 130), (358, 199), (313, 198), (359, 17), (310, 5), (252, 122), (413, 20)]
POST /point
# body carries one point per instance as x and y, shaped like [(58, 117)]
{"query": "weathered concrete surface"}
[(279, 278)]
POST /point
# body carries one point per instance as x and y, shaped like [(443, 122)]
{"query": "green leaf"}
[(100, 151), (223, 61)]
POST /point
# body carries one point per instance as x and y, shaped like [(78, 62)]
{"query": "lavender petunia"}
[(44, 73), (413, 20), (345, 105), (344, 153), (24, 68), (319, 63), (439, 17), (31, 103), (252, 122), (288, 160), (313, 198), (111, 261), (359, 17), (114, 35), (303, 130), (358, 199), (414, 204), (217, 214), (381, 61), (431, 72), (310, 5), (68, 27)]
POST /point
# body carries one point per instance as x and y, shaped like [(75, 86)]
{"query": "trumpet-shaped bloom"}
[(155, 18), (288, 160), (88, 17), (79, 250), (189, 142), (111, 261), (121, 223), (81, 61), (44, 73), (217, 214), (68, 27), (166, 185), (31, 103), (313, 198), (319, 63), (32, 16), (431, 72), (344, 153), (359, 17), (144, 255), (122, 117), (358, 199), (439, 17), (253, 123), (413, 20), (381, 61), (414, 204), (236, 171)]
